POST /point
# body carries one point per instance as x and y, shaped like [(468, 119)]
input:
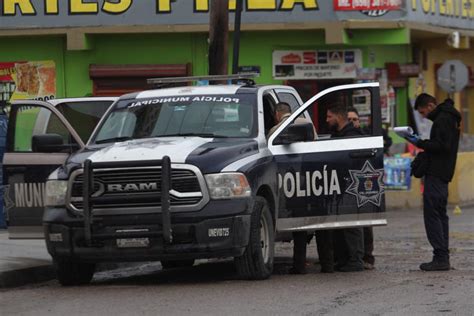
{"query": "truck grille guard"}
[(88, 199)]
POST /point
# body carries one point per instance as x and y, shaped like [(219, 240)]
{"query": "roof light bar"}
[(243, 77)]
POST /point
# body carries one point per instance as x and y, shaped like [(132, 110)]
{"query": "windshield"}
[(196, 115)]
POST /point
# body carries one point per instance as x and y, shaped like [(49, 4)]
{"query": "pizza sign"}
[(367, 5), (29, 79)]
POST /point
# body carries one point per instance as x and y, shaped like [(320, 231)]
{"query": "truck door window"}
[(268, 112), (356, 101), (30, 121), (290, 99), (356, 105), (83, 117)]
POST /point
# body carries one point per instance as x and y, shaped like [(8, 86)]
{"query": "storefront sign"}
[(397, 173), (19, 14), (360, 5), (29, 79), (450, 13), (368, 74), (327, 64), (249, 70), (22, 7), (383, 88), (409, 70)]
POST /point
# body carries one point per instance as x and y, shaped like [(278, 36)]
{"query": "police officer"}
[(300, 239), (369, 259), (348, 242), (282, 112), (441, 149)]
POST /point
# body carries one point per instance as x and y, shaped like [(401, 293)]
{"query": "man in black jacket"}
[(441, 149), (348, 242)]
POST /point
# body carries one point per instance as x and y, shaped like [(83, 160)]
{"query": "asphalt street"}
[(395, 287)]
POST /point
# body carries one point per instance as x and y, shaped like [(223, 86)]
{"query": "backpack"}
[(419, 166)]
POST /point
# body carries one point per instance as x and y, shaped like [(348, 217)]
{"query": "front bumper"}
[(207, 238)]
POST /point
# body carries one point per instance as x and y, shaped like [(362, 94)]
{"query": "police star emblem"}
[(367, 185)]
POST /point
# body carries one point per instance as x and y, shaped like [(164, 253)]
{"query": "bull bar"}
[(89, 200)]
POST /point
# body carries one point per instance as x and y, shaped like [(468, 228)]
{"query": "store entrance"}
[(115, 80)]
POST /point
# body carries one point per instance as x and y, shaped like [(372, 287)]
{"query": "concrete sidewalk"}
[(23, 262)]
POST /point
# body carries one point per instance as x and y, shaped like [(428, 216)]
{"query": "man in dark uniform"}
[(348, 242), (300, 239), (441, 149), (369, 259)]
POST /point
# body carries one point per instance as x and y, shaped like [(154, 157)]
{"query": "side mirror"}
[(50, 143), (296, 132)]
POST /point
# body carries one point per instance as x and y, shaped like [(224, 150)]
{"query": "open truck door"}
[(39, 140), (327, 182)]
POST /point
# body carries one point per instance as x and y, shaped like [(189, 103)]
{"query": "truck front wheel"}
[(70, 272), (257, 261)]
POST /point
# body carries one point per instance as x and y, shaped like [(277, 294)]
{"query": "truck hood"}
[(208, 154)]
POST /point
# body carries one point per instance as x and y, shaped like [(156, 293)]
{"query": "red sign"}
[(6, 71), (291, 59), (359, 5), (309, 57)]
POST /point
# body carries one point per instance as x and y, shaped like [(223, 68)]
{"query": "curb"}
[(16, 278)]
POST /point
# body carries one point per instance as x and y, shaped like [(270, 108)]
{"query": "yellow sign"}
[(79, 7), (449, 8)]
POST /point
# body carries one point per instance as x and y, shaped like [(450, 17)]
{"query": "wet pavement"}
[(395, 287)]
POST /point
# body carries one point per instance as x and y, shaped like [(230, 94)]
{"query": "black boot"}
[(435, 265), (299, 253)]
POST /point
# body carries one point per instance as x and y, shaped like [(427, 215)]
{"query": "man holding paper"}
[(441, 149)]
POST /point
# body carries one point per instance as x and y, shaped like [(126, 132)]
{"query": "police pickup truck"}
[(177, 174)]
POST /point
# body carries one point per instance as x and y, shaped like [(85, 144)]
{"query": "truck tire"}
[(171, 264), (257, 261), (71, 272)]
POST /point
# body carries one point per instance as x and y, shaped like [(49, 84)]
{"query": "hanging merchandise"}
[(392, 102), (383, 81)]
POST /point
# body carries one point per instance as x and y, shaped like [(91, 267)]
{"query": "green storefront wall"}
[(28, 48), (378, 47)]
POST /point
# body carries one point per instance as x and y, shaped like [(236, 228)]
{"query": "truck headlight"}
[(227, 185), (55, 193)]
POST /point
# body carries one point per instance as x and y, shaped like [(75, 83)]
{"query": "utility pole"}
[(218, 37), (235, 58)]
